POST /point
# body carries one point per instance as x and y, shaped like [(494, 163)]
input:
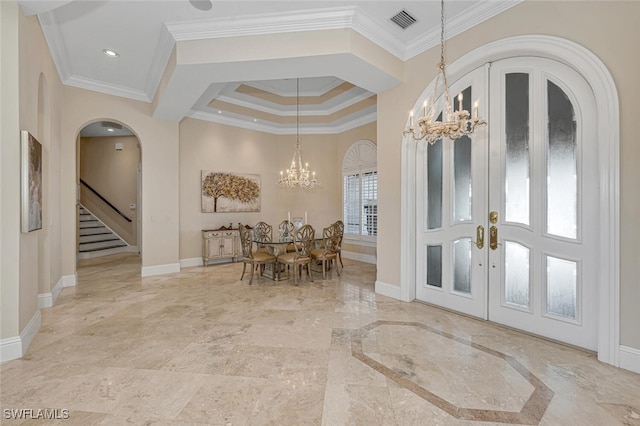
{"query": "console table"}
[(219, 244)]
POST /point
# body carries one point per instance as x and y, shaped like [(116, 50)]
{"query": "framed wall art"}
[(31, 182), (229, 192)]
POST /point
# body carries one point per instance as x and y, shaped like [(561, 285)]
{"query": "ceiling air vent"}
[(403, 19)]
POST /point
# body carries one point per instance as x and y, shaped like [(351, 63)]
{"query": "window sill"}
[(357, 242)]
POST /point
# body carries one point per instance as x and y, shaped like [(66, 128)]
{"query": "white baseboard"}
[(194, 261), (70, 280), (10, 348), (47, 300), (630, 359), (366, 258), (169, 268), (29, 333), (388, 290), (15, 347)]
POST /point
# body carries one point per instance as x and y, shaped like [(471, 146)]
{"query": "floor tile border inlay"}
[(530, 414)]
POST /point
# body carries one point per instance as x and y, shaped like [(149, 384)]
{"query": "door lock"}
[(493, 217)]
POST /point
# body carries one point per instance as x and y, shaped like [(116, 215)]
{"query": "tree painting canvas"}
[(31, 182), (230, 192)]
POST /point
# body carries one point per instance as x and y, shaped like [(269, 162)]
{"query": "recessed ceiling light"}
[(219, 112), (255, 120), (110, 53), (201, 4), (110, 129)]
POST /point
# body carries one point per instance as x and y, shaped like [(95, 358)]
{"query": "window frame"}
[(360, 160)]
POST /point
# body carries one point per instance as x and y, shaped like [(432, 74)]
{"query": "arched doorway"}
[(109, 171), (417, 245)]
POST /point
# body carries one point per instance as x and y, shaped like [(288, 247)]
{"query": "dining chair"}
[(340, 227), (262, 233), (329, 252), (301, 256), (285, 230), (253, 258)]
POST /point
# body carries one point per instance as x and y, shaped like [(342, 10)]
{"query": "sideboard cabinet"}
[(220, 244)]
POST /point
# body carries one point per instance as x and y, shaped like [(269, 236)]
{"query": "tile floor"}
[(202, 348)]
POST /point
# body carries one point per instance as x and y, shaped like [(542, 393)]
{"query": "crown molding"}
[(269, 23), (349, 17), (290, 110), (260, 126), (368, 28), (292, 93), (476, 14), (109, 89), (56, 44)]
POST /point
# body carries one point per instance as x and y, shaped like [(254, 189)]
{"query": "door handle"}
[(479, 237), (493, 237)]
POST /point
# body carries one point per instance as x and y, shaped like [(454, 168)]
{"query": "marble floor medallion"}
[(474, 382)]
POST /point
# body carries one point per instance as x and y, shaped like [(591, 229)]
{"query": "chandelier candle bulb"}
[(410, 118), (475, 110), (460, 102), (425, 108), (289, 216)]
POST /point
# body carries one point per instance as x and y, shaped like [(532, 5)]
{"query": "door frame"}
[(597, 75)]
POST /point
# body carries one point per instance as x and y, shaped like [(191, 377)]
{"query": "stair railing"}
[(114, 208)]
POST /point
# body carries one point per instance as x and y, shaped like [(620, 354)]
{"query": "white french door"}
[(507, 221)]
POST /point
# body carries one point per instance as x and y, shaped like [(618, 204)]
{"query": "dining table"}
[(278, 271)]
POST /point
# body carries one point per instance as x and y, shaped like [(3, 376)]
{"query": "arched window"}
[(360, 192)]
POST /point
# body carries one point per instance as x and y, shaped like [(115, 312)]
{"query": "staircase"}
[(96, 239)]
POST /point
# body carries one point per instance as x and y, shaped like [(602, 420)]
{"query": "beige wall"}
[(211, 146), (113, 174), (610, 30), (9, 172), (159, 153), (40, 91)]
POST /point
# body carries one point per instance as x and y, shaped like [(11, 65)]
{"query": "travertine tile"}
[(201, 347)]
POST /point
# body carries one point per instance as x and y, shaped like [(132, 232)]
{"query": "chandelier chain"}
[(298, 174)]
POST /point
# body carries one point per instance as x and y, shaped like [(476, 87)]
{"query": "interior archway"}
[(108, 194)]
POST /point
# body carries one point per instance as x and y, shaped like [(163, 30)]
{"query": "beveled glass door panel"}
[(561, 295), (434, 185), (462, 265), (562, 175), (517, 279), (543, 271), (517, 133)]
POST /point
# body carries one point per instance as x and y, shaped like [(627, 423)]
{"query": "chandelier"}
[(297, 176), (454, 124)]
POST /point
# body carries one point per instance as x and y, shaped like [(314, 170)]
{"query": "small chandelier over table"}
[(297, 175), (454, 124)]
